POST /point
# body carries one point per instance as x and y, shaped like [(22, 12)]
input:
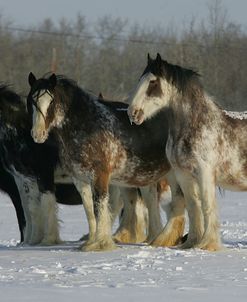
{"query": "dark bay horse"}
[(206, 145), (98, 146), (24, 172)]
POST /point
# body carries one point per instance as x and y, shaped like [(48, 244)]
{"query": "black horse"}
[(26, 177)]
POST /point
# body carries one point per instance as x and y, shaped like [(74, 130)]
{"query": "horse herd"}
[(66, 145)]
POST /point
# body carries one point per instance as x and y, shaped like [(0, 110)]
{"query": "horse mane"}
[(187, 81), (113, 104), (66, 83)]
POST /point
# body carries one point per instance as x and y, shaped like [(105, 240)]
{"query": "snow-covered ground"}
[(130, 273)]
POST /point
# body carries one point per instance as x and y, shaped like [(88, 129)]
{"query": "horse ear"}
[(31, 79), (53, 80), (158, 58), (149, 59), (100, 96)]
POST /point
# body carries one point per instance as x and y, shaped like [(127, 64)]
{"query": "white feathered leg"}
[(51, 225), (150, 198), (133, 226)]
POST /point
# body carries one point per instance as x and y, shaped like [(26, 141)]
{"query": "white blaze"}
[(43, 102)]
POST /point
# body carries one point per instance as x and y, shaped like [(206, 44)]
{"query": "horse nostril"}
[(134, 113), (43, 132)]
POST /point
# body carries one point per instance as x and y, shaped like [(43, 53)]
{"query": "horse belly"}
[(60, 177), (232, 177), (137, 177)]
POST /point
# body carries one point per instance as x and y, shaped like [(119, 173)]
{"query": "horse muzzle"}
[(39, 137), (136, 115)]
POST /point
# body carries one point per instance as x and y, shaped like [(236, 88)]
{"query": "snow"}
[(130, 273), (241, 115)]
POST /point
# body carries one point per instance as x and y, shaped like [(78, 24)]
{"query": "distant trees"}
[(110, 57)]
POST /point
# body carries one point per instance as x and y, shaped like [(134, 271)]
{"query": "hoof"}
[(212, 247), (188, 244), (47, 242), (168, 240), (125, 237), (97, 246)]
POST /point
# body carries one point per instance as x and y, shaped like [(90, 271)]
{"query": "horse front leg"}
[(85, 191), (191, 191), (103, 239), (50, 220), (211, 238), (172, 234), (30, 199)]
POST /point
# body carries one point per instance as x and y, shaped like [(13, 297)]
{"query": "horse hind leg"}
[(132, 227), (115, 202), (115, 205), (172, 234), (150, 199), (85, 192)]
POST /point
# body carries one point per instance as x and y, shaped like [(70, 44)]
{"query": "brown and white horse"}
[(206, 147), (98, 146)]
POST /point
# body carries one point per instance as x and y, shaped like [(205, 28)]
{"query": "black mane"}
[(182, 78)]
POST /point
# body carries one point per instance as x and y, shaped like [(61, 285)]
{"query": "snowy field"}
[(130, 273)]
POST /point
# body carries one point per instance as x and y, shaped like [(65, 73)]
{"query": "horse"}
[(206, 146), (99, 147), (21, 158)]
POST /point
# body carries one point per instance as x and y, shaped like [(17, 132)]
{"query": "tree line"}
[(111, 56)]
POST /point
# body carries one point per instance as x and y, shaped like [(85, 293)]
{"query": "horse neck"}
[(73, 103), (192, 112)]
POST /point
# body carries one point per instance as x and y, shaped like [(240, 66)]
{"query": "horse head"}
[(41, 106), (160, 83)]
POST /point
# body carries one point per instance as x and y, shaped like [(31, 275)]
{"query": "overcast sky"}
[(151, 12)]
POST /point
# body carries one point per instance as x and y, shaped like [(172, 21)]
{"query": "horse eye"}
[(152, 82)]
